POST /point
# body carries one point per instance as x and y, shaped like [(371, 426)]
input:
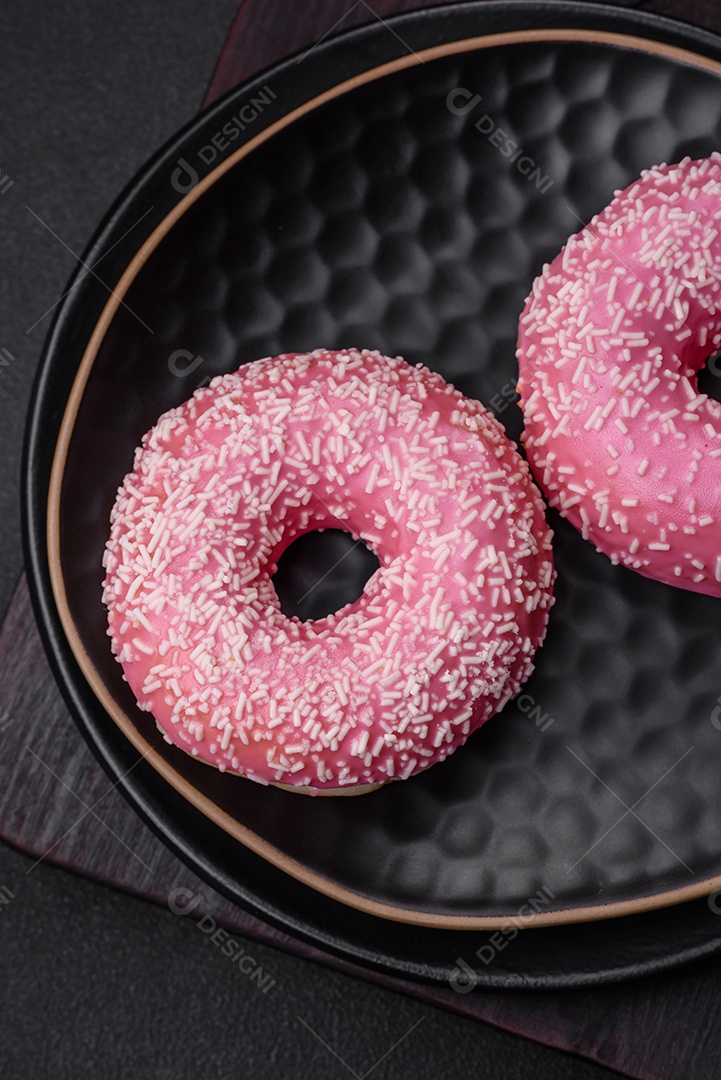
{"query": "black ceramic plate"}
[(399, 188)]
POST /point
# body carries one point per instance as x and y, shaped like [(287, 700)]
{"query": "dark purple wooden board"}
[(63, 809), (57, 804)]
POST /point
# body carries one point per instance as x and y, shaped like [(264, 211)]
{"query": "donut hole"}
[(322, 571), (709, 377)]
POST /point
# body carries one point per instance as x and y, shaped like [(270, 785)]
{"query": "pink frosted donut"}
[(611, 340), (444, 632)]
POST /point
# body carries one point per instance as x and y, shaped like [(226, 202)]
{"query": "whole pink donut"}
[(611, 339), (444, 632)]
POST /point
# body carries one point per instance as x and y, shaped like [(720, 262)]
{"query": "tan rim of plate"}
[(124, 722)]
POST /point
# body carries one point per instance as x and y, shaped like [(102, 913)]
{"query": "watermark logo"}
[(183, 362), (185, 175), (714, 363), (464, 978), (6, 895), (530, 708), (5, 183), (716, 714), (6, 358), (506, 396), (182, 901), (461, 102)]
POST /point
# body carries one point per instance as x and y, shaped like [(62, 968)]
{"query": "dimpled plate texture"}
[(384, 219)]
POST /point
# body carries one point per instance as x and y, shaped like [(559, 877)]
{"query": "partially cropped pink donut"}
[(611, 340), (444, 632)]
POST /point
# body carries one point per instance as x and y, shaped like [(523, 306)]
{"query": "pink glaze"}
[(611, 339), (444, 632)]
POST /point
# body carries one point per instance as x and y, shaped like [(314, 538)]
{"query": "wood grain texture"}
[(56, 803), (264, 32)]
